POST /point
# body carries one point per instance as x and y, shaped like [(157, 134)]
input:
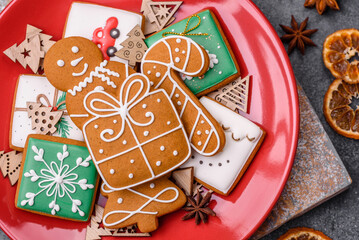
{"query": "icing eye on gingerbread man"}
[(74, 63), (71, 60)]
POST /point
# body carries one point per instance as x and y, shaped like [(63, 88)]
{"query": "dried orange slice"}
[(340, 54), (338, 110), (303, 233)]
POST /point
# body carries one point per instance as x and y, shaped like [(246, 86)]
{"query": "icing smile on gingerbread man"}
[(75, 62)]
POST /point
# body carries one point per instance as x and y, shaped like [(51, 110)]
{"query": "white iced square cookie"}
[(29, 87), (222, 172), (84, 18)]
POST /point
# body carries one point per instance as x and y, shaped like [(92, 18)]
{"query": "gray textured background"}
[(338, 217)]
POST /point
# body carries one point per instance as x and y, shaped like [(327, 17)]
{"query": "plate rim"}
[(296, 113), (296, 123)]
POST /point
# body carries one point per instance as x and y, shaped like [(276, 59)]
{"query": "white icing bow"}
[(108, 106)]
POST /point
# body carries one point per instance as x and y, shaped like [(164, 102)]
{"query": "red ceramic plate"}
[(273, 105)]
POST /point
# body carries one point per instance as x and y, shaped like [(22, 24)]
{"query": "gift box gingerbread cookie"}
[(134, 134)]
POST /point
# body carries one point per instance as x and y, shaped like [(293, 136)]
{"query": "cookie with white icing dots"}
[(162, 63), (222, 172), (142, 205), (57, 178), (75, 65), (134, 136)]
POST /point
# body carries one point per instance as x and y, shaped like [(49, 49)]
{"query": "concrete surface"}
[(338, 217)]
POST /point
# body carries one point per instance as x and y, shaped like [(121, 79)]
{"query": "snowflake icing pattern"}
[(58, 181), (212, 61)]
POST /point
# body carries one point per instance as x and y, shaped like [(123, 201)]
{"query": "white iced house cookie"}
[(222, 172), (109, 26)]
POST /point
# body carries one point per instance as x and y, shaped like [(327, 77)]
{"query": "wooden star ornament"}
[(321, 5), (297, 36)]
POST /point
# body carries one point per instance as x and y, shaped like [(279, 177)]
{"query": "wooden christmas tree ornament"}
[(45, 42), (158, 14), (234, 95), (10, 164), (94, 231), (134, 47), (43, 120), (184, 179), (31, 51), (28, 53)]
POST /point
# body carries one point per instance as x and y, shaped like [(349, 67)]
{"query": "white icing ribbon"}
[(120, 107), (139, 210)]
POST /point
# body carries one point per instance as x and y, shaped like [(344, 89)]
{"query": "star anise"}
[(321, 5), (198, 208), (297, 36)]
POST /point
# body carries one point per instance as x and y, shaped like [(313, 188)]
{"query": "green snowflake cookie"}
[(223, 66), (58, 179)]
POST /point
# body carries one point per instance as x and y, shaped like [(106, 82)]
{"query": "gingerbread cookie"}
[(142, 204), (161, 64), (222, 172), (205, 29), (134, 136), (75, 65), (57, 178), (34, 88), (106, 26)]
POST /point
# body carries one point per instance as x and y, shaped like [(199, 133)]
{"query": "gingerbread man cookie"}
[(75, 65), (142, 204), (161, 64)]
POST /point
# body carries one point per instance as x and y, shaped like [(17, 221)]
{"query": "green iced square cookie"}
[(223, 66), (58, 178)]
